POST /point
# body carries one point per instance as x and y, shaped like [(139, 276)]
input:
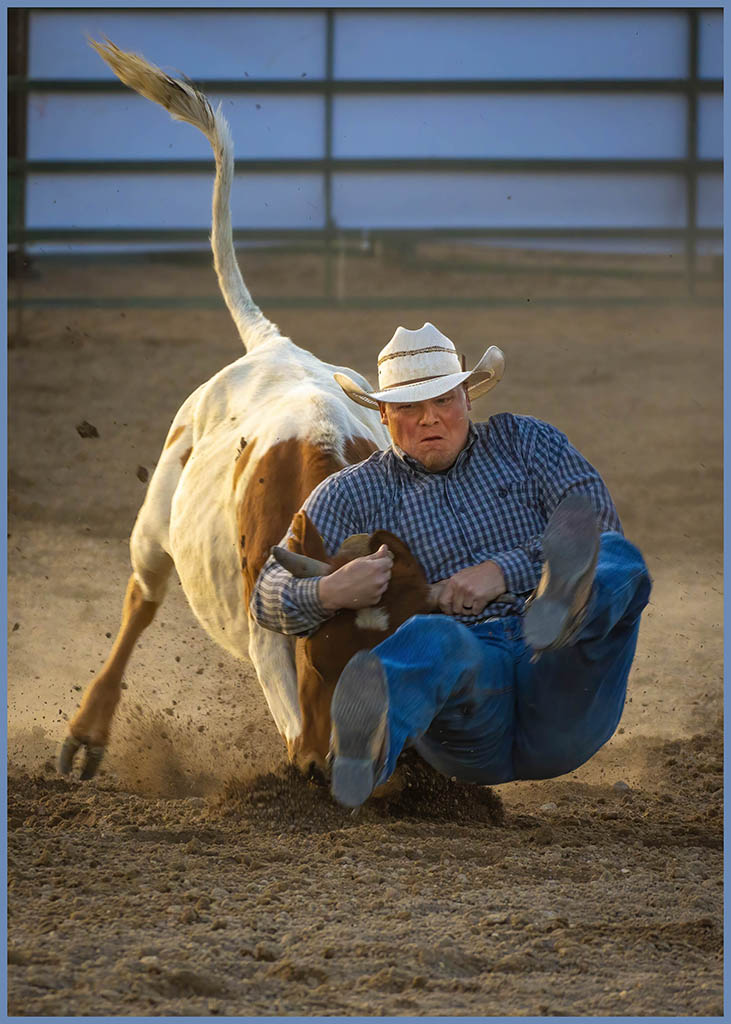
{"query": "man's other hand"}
[(469, 590), (358, 584)]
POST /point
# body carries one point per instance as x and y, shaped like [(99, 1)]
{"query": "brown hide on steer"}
[(281, 478), (321, 657)]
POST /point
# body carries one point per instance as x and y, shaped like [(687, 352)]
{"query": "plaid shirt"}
[(493, 504)]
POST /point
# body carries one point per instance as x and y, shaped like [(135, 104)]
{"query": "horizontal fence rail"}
[(368, 86), (405, 164)]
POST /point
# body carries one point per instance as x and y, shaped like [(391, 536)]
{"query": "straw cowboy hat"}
[(416, 365)]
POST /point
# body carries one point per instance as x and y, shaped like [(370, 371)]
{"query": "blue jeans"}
[(474, 705)]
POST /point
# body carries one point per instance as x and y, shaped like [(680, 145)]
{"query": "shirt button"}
[(503, 492)]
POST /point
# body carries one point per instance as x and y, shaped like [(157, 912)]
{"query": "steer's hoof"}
[(94, 757), (92, 760), (68, 753)]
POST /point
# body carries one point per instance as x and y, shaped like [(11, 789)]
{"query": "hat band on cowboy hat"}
[(423, 364)]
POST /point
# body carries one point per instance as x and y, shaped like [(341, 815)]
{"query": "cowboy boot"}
[(359, 716), (555, 612)]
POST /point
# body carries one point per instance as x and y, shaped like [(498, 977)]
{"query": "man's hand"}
[(358, 584), (469, 590)]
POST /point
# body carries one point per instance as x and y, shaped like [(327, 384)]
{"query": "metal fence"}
[(331, 238)]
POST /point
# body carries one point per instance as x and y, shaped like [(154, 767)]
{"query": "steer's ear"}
[(305, 539), (298, 533)]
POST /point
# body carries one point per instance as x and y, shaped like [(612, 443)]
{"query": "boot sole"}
[(571, 546), (359, 714)]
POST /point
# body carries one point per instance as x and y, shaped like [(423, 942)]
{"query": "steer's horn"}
[(300, 565)]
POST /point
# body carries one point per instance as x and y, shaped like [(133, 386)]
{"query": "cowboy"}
[(523, 675)]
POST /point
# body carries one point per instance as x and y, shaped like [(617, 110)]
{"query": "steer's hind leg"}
[(151, 564), (91, 724)]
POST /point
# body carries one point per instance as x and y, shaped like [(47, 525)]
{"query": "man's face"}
[(434, 432)]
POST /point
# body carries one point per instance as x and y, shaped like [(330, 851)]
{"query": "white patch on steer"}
[(372, 618)]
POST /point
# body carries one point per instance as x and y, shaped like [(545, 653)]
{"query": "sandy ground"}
[(197, 875)]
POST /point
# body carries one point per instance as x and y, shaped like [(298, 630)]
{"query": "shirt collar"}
[(414, 464)]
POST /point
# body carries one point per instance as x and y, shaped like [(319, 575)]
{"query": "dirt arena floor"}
[(197, 875)]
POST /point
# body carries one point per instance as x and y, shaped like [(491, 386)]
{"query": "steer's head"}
[(322, 656)]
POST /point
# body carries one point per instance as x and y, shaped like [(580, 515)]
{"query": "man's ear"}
[(467, 398), (382, 411)]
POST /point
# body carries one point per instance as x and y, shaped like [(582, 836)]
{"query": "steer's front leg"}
[(309, 751)]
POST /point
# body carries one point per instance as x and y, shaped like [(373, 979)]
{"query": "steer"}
[(322, 656), (242, 454)]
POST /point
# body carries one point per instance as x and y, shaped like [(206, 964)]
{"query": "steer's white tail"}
[(185, 103)]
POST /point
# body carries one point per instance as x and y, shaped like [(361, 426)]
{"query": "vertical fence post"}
[(691, 173), (327, 174), (17, 135)]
